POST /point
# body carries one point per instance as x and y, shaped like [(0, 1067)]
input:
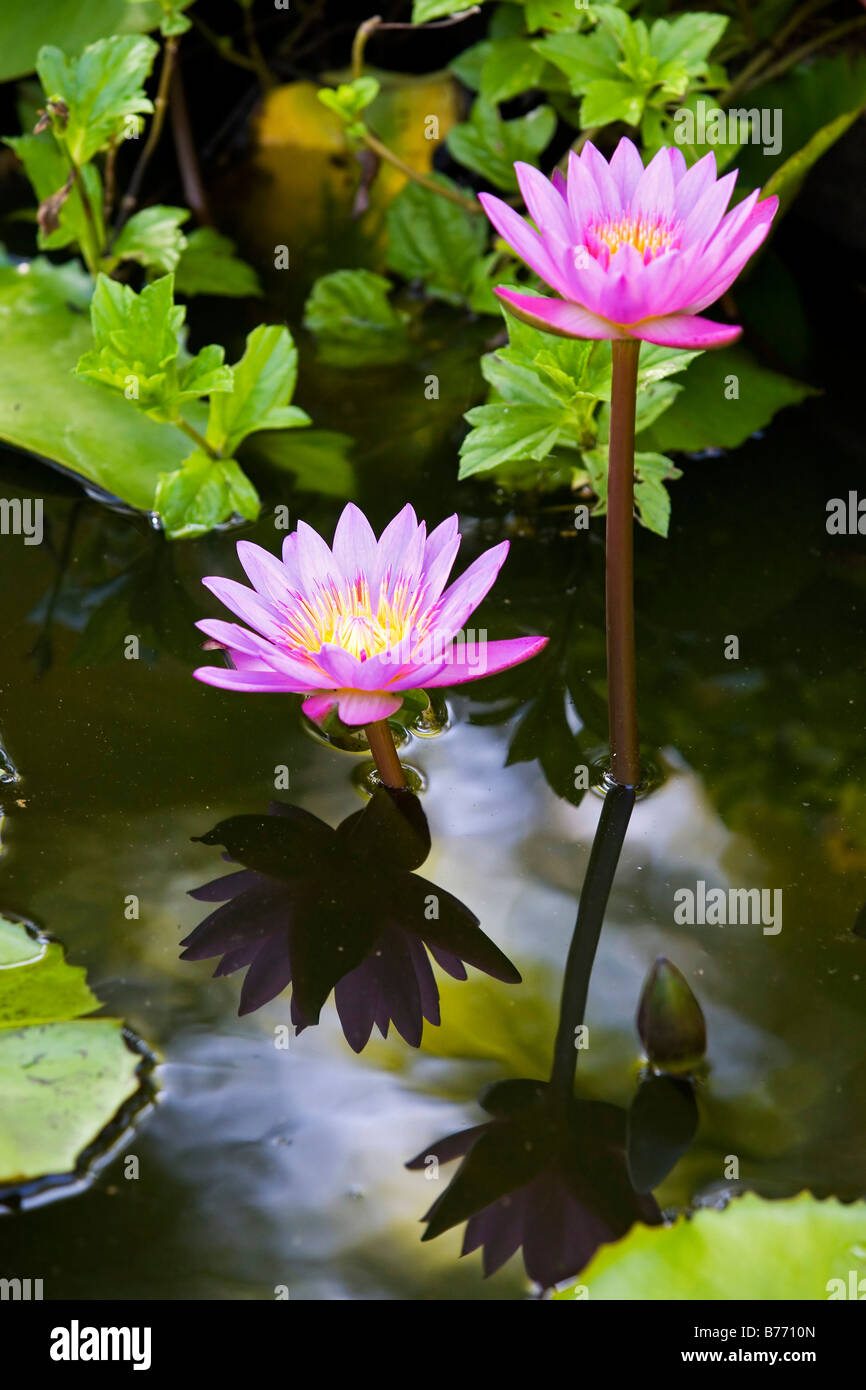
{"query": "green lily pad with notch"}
[(63, 1077), (48, 411), (799, 1248)]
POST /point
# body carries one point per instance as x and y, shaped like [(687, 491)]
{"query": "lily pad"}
[(800, 1248), (63, 1078), (46, 410), (68, 23)]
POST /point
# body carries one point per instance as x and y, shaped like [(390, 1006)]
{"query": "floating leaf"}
[(350, 313), (727, 396), (62, 1078), (754, 1249)]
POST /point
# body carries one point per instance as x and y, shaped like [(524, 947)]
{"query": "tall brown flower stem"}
[(385, 754), (619, 574)]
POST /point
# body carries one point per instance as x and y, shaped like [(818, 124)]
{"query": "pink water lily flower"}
[(635, 252), (357, 624)]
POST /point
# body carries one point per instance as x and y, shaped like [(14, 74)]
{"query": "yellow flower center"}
[(649, 235), (344, 616)]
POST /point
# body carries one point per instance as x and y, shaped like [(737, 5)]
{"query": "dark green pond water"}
[(262, 1167)]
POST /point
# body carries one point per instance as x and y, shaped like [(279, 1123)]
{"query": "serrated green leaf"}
[(351, 314), (687, 39), (202, 493), (205, 375), (616, 99), (490, 146), (264, 380), (100, 89), (511, 66), (501, 433), (209, 265), (153, 237)]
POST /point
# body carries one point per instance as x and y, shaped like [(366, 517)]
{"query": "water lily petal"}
[(366, 706), (472, 660), (559, 316), (355, 543), (686, 331), (247, 604), (226, 679)]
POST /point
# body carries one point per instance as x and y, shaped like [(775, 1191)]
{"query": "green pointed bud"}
[(670, 1021)]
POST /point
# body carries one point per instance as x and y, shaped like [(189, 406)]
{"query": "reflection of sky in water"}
[(285, 1167)]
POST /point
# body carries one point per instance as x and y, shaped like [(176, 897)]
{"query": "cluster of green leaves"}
[(92, 105), (138, 353), (627, 71), (549, 406), (63, 1076)]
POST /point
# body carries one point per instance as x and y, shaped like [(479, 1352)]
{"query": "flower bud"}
[(669, 1019)]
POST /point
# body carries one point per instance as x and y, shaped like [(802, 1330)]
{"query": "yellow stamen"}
[(646, 234), (345, 616)]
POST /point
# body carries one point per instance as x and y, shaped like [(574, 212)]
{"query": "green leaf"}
[(350, 313), (688, 39), (264, 380), (204, 375), (45, 409), (425, 10), (350, 98), (100, 89), (511, 66), (48, 169), (651, 497), (501, 433), (153, 237), (62, 1078), (434, 240), (209, 265), (584, 58), (554, 15), (68, 23), (202, 493), (800, 1248), (490, 146), (41, 988), (614, 100), (136, 341), (707, 415)]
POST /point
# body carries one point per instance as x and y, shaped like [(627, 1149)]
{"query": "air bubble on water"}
[(653, 773), (366, 779), (433, 720), (354, 741)]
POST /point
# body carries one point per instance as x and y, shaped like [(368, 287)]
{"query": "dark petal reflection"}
[(322, 909), (543, 1175)]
